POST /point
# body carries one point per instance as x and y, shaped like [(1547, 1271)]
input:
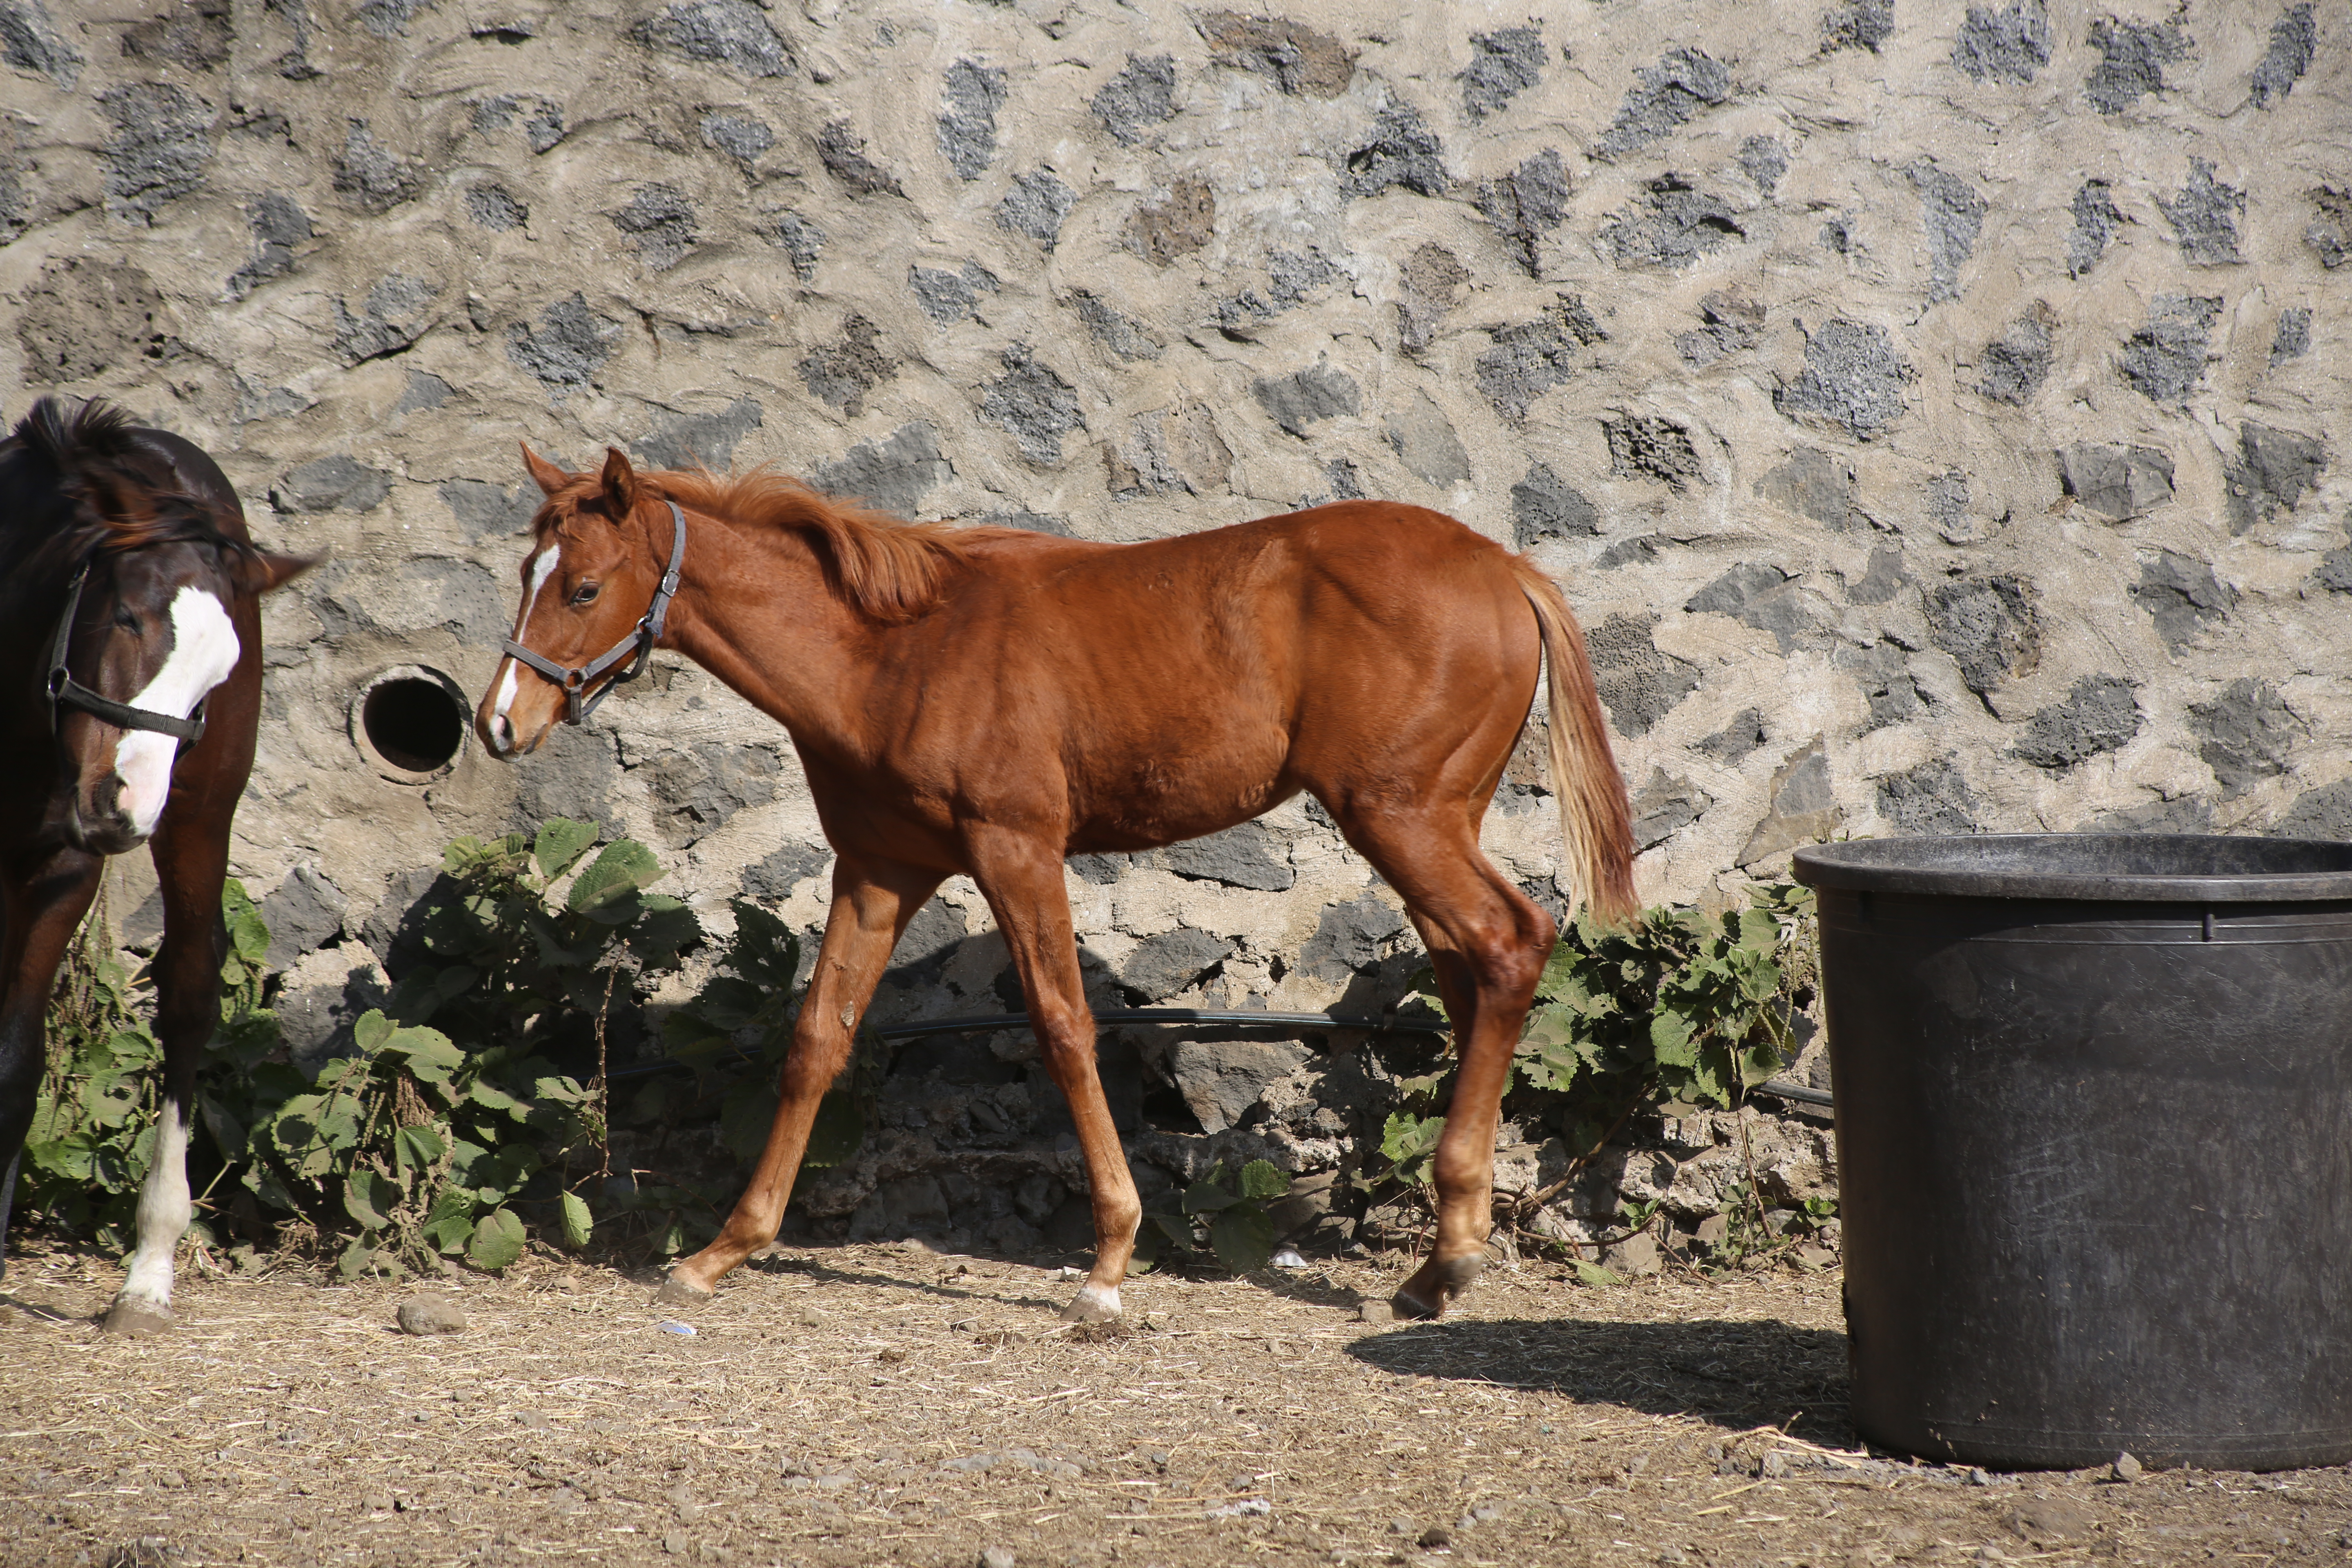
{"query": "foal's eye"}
[(586, 593), (127, 621)]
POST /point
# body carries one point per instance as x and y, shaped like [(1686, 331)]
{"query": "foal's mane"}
[(121, 493), (889, 568)]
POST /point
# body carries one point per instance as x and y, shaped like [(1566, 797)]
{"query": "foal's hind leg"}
[(872, 902), (1023, 881), (1487, 942), (44, 902)]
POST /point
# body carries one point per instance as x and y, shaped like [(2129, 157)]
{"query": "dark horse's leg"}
[(872, 902), (1487, 942), (1023, 880), (191, 861), (44, 904)]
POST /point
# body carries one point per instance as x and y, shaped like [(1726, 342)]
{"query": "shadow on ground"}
[(1734, 1374)]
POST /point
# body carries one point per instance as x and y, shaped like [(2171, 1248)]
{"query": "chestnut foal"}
[(988, 702)]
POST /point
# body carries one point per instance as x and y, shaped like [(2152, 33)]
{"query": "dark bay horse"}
[(988, 702), (130, 615)]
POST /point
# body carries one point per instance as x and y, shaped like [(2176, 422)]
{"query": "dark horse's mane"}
[(889, 568), (74, 482)]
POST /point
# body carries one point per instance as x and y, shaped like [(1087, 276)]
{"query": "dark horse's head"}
[(159, 542)]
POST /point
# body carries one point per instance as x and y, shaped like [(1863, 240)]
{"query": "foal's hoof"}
[(1092, 1305), (136, 1320), (1434, 1285), (677, 1292)]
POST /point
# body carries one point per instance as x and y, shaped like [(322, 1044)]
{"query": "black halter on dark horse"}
[(130, 595)]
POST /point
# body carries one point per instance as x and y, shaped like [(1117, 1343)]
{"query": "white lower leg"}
[(164, 1210)]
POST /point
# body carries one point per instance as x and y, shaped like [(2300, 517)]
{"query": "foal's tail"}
[(1595, 824)]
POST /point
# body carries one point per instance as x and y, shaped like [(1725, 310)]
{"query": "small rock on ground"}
[(1376, 1312), (431, 1315), (997, 1557), (2125, 1468)]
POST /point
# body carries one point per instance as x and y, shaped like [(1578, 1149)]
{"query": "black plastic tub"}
[(2095, 1145)]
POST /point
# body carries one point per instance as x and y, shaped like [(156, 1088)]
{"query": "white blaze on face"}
[(540, 570), (204, 650), (164, 1210)]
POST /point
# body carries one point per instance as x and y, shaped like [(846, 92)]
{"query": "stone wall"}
[(1924, 404)]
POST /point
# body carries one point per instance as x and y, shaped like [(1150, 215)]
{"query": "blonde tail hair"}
[(1596, 826)]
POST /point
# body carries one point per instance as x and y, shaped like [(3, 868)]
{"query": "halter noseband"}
[(639, 641), (66, 693)]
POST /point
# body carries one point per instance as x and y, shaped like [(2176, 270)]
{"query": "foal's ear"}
[(261, 571), (620, 484), (546, 475)]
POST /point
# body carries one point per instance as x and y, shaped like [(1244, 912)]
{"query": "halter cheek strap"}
[(640, 641), (66, 693)]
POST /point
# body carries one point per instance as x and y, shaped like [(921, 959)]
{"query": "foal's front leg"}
[(872, 902), (1023, 880), (44, 902)]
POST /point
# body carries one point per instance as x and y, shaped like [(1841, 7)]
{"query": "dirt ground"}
[(855, 1405)]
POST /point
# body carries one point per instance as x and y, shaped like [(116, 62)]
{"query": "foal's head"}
[(88, 493), (588, 577)]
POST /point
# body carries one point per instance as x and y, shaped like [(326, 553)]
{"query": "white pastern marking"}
[(540, 570), (204, 650), (164, 1211)]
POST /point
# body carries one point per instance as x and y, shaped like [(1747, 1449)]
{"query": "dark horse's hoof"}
[(136, 1320), (677, 1292), (1434, 1285)]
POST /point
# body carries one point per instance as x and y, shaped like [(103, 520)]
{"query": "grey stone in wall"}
[(1544, 506), (1988, 625), (2330, 231), (843, 372), (1121, 334), (1932, 797), (2247, 733), (423, 391), (1249, 855), (493, 206), (1035, 207), (2293, 338), (2117, 482), (567, 347), (967, 127), (703, 784), (2204, 214), (659, 222), (1953, 214), (690, 440), (2294, 39), (82, 318), (2003, 46), (304, 913), (1664, 805), (162, 142), (1349, 937), (1035, 403), (1170, 451), (1639, 684), (327, 483), (2270, 473), (1503, 64), (772, 879), (1884, 672), (1321, 391), (2099, 714), (278, 225), (1663, 97), (2096, 219), (1529, 358), (1811, 483), (1760, 596), (29, 40), (1526, 204), (2183, 597), (1223, 1080), (1744, 733), (1672, 223), (1425, 443), (1139, 97), (1763, 160), (1650, 446), (731, 32), (2016, 363), (1402, 152), (1173, 961), (1178, 226), (2182, 814), (369, 176), (395, 314), (893, 474), (745, 138), (1729, 325), (802, 241), (2321, 813), (842, 153), (1857, 24), (1853, 378), (1433, 279), (1803, 808), (2132, 58), (1882, 578), (2165, 359), (484, 511)]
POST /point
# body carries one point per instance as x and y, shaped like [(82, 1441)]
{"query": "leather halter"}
[(639, 641), (65, 691)]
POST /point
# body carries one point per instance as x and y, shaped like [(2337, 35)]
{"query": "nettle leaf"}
[(490, 1097), (1262, 1180), (664, 929), (1406, 1137), (562, 842), (1758, 932), (1670, 1040), (766, 950), (497, 1240), (624, 867), (577, 1223), (1206, 1196), (450, 1223), (429, 1053), (356, 1258), (371, 1032), (1243, 1238), (728, 1005), (370, 1199), (418, 1148)]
